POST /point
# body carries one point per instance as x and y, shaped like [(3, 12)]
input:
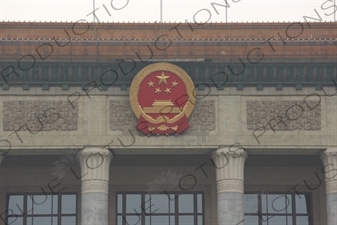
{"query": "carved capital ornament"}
[(95, 164), (329, 158), (229, 168)]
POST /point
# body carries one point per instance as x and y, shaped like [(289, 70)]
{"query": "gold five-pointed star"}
[(167, 90), (150, 83), (162, 78), (174, 84), (157, 90)]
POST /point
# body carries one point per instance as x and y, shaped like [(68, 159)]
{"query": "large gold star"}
[(157, 90), (150, 83), (167, 90), (162, 78), (174, 84)]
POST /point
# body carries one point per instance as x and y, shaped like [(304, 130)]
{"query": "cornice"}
[(279, 74), (137, 25)]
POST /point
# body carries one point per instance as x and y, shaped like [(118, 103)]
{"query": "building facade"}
[(260, 146)]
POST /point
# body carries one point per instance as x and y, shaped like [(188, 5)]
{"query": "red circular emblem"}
[(162, 97)]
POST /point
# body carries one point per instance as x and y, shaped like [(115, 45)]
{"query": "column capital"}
[(229, 168), (329, 158), (95, 165)]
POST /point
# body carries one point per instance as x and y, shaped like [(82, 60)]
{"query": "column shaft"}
[(329, 158), (230, 175), (95, 164)]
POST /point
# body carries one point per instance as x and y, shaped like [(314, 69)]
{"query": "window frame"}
[(176, 214), (25, 214), (293, 214)]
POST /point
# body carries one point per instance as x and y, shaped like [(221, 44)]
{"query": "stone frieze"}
[(285, 115), (203, 116), (122, 118), (36, 116)]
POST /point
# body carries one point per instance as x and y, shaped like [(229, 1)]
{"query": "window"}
[(41, 209), (170, 208), (277, 209)]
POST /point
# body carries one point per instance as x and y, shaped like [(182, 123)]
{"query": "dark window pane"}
[(302, 220), (29, 220), (159, 204), (186, 220), (68, 220), (279, 203), (199, 199), (54, 220), (119, 220), (266, 220), (172, 201), (147, 204), (119, 203), (160, 220), (200, 220), (15, 221), (251, 220), (172, 220), (55, 204), (301, 204), (41, 220), (251, 203), (33, 221), (264, 203), (68, 204), (15, 204), (132, 219), (41, 204), (133, 203), (186, 203), (277, 220), (147, 220)]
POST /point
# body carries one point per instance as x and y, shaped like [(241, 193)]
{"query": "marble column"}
[(329, 158), (229, 167), (95, 164)]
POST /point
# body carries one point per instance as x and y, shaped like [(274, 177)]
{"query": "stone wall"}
[(218, 119)]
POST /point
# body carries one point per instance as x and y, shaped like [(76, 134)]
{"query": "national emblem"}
[(162, 107)]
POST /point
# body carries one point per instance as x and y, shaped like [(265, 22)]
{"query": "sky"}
[(167, 10)]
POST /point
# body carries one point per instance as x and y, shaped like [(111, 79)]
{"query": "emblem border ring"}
[(134, 90)]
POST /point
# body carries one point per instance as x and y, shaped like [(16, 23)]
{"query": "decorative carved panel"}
[(203, 116), (283, 115), (39, 116), (121, 116), (201, 119)]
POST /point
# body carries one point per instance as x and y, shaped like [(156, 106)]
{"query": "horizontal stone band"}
[(95, 186), (230, 186), (331, 187)]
